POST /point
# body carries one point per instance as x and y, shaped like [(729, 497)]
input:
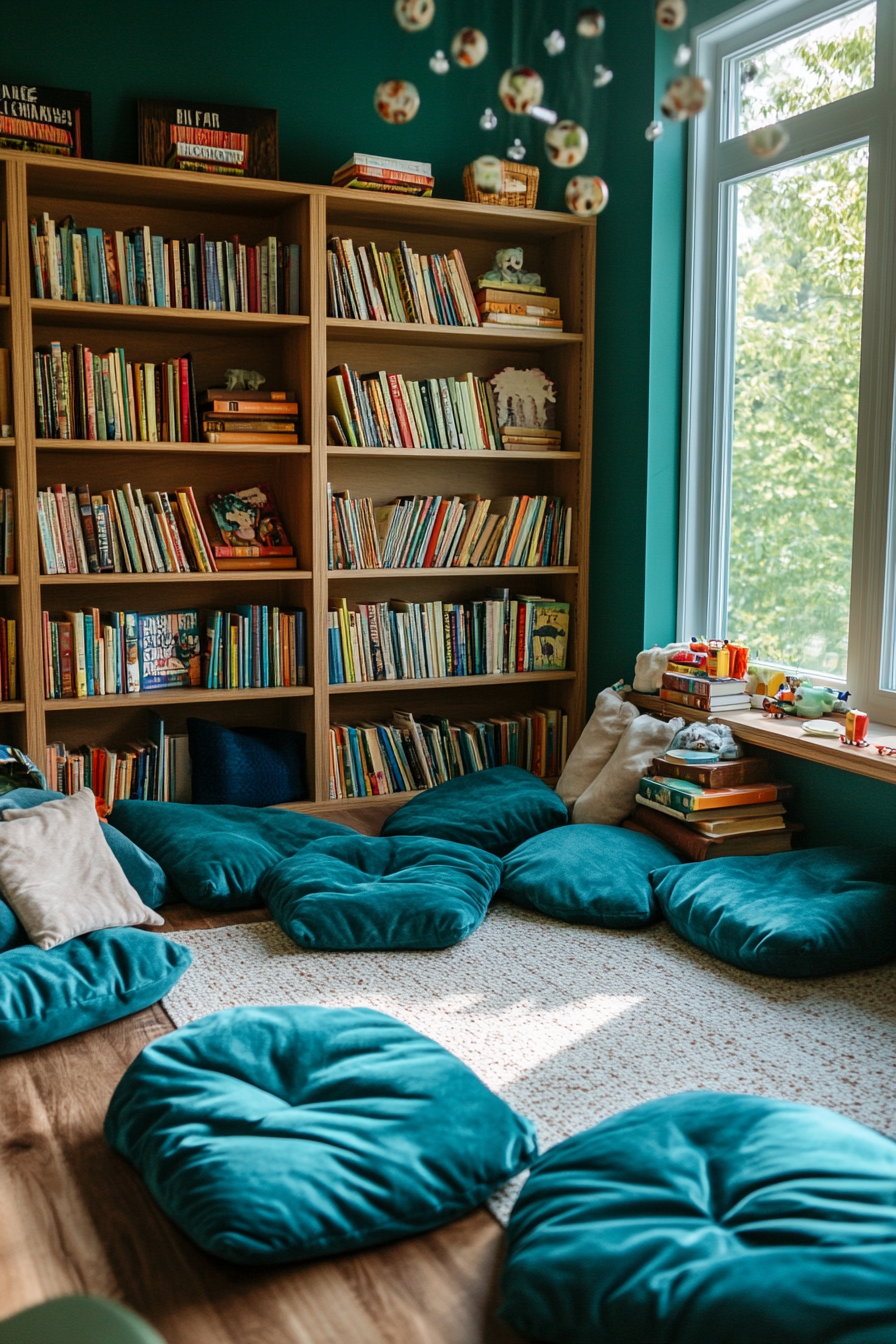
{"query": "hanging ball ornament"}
[(654, 131), (469, 47), (586, 195), (566, 144), (685, 97), (670, 14), (682, 55), (396, 100), (767, 141), (488, 121), (517, 151), (439, 64), (590, 23), (602, 76), (414, 15), (521, 89)]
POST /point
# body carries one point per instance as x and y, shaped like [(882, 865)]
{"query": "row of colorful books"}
[(397, 177), (9, 676), (7, 530), (83, 395), (137, 268), (256, 646), (397, 640), (434, 532), (410, 754), (399, 286), (387, 410), (155, 770), (89, 653)]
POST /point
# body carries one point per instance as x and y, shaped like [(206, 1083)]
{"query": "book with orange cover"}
[(685, 796)]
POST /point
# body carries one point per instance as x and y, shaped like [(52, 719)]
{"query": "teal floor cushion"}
[(12, 934), (214, 856), (587, 875), (808, 912), (708, 1218), (143, 873), (495, 809), (83, 983), (271, 1135), (358, 892)]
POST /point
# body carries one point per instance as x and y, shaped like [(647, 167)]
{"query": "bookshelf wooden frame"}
[(294, 351)]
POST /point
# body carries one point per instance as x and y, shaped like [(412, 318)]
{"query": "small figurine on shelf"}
[(243, 380), (508, 269), (856, 730)]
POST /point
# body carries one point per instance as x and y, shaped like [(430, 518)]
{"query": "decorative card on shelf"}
[(208, 137), (249, 523), (168, 650), (526, 401), (46, 120)]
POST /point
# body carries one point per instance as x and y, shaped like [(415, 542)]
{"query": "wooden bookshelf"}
[(292, 351)]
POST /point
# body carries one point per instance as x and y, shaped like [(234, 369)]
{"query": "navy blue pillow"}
[(356, 892), (246, 767), (707, 1218), (86, 982), (495, 810), (587, 874), (270, 1135), (12, 934), (803, 913), (143, 873)]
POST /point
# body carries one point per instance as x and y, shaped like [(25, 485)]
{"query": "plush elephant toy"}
[(810, 702)]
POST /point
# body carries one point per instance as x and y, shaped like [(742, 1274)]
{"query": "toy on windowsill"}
[(797, 696), (855, 730), (712, 658)]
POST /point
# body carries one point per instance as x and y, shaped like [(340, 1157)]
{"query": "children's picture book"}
[(168, 650), (550, 631), (45, 120), (201, 137), (249, 519)]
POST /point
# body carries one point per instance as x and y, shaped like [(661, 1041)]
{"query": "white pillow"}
[(610, 797), (599, 739), (59, 874)]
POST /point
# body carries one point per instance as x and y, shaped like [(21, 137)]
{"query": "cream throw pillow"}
[(599, 739), (611, 797), (59, 874)]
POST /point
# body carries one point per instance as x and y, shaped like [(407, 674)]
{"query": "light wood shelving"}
[(293, 352)]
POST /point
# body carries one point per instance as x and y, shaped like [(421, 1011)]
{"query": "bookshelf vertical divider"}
[(293, 352)]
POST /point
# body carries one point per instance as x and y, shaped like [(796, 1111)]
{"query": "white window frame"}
[(717, 163)]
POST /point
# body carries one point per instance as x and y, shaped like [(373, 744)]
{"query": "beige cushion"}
[(598, 741), (59, 874), (611, 797), (650, 665)]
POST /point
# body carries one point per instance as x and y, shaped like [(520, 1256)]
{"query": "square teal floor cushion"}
[(86, 982), (804, 913), (708, 1218), (270, 1135), (215, 857), (358, 892), (495, 810), (587, 875), (143, 873)]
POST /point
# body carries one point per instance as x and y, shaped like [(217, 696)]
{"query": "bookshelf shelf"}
[(292, 352), (4, 301)]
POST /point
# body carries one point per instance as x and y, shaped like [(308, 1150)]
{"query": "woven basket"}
[(526, 174)]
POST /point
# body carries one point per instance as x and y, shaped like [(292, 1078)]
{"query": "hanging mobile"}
[(654, 131), (682, 54), (602, 76), (488, 121), (555, 42), (517, 151), (439, 63)]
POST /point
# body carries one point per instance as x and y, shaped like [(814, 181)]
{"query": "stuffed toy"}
[(708, 736), (650, 666)]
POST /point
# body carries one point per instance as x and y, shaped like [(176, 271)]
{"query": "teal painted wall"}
[(318, 64)]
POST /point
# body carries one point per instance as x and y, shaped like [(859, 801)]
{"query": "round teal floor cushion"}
[(495, 810), (216, 856), (12, 932), (270, 1135), (143, 873), (358, 892), (86, 982), (707, 1218), (804, 913), (587, 875)]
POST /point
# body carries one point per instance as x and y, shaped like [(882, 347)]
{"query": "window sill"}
[(787, 736)]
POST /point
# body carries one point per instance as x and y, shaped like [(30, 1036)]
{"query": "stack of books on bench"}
[(714, 810)]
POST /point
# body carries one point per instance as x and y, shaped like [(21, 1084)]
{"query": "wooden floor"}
[(76, 1218)]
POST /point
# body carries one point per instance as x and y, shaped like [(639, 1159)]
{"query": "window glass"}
[(800, 262), (821, 66)]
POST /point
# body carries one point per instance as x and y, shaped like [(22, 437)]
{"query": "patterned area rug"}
[(571, 1024)]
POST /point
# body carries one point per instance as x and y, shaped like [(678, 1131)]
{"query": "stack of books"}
[(81, 395), (399, 286), (121, 531), (501, 303), (435, 532), (254, 646), (716, 810), (399, 177), (386, 410), (397, 640), (715, 695), (207, 151), (138, 268), (87, 653), (408, 754), (156, 770), (249, 530), (249, 417)]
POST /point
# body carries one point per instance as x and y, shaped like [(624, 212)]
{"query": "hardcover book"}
[(45, 120), (250, 518), (168, 650), (216, 138)]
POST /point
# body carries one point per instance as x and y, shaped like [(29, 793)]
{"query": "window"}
[(788, 500)]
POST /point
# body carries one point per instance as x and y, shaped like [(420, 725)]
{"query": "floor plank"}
[(75, 1217)]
